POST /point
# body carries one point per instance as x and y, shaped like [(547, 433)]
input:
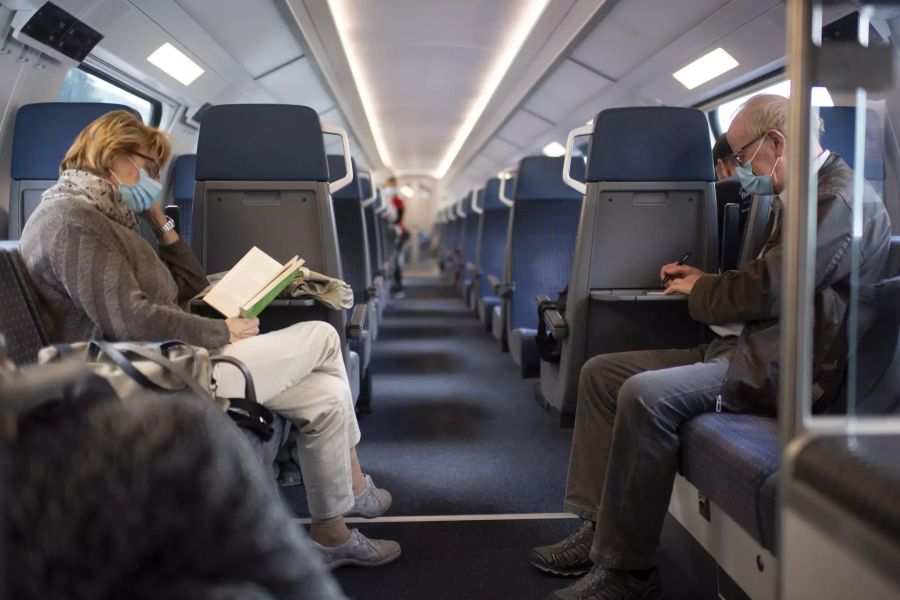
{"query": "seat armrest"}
[(542, 298), (503, 290), (556, 323), (249, 386), (357, 321)]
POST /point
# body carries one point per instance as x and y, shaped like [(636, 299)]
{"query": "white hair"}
[(770, 111)]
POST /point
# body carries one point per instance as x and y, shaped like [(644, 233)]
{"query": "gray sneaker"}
[(359, 551), (372, 502)]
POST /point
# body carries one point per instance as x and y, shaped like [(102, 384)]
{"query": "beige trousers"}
[(299, 373)]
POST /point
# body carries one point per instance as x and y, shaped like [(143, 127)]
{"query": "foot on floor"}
[(568, 558), (359, 551)]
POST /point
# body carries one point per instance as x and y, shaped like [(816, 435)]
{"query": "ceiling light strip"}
[(519, 33), (339, 12)]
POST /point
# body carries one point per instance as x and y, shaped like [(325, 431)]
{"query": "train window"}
[(86, 85), (724, 113)]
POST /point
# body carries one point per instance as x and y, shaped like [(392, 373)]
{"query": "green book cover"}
[(266, 300)]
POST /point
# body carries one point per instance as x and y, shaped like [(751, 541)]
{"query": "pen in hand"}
[(683, 260)]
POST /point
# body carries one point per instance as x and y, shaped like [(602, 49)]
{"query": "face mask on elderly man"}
[(759, 185)]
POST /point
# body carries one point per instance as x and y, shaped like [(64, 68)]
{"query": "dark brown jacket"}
[(752, 294)]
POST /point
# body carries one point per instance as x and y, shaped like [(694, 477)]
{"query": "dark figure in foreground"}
[(156, 497), (631, 405)]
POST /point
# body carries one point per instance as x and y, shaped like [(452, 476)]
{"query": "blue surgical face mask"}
[(141, 195), (759, 185)]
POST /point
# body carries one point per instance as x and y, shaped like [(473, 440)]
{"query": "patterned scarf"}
[(97, 192)]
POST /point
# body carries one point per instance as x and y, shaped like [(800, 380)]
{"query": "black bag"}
[(549, 347)]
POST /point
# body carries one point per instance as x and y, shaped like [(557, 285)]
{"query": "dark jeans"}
[(625, 445)]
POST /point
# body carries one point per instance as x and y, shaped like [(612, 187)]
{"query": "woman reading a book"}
[(98, 278)]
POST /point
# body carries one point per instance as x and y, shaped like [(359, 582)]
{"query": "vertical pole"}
[(799, 228)]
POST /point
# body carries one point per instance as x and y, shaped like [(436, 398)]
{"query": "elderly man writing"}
[(631, 405)]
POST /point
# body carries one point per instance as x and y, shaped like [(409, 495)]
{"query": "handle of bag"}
[(118, 354), (249, 386)]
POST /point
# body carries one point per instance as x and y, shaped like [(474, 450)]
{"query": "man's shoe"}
[(568, 558), (372, 502), (359, 551), (611, 584)]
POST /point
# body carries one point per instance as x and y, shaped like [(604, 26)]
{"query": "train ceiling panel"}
[(569, 86)]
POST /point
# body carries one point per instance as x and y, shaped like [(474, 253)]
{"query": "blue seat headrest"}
[(365, 184), (183, 177), (336, 170), (492, 195), (540, 178), (650, 143), (839, 137), (479, 198), (261, 142), (44, 132)]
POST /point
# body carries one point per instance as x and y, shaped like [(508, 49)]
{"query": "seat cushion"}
[(729, 458), (523, 349)]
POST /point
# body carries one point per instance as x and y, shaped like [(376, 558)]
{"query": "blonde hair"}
[(114, 134), (770, 111)]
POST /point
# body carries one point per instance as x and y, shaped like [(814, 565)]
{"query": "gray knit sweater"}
[(97, 278)]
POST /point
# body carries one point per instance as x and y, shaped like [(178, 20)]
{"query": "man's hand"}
[(682, 285), (239, 329), (679, 279), (675, 271)]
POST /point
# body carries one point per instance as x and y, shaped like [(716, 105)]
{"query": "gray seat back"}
[(262, 180), (650, 198)]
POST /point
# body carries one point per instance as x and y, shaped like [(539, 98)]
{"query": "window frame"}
[(156, 110)]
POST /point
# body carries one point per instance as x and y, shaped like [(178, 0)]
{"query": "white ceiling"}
[(425, 63)]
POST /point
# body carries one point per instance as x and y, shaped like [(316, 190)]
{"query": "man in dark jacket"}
[(631, 405)]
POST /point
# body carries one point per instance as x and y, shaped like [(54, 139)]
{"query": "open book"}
[(252, 284)]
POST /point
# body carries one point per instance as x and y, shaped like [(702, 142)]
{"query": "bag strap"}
[(117, 354)]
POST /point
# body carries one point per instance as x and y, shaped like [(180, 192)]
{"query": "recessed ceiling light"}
[(518, 34), (176, 63), (407, 191), (554, 150), (342, 21), (707, 67)]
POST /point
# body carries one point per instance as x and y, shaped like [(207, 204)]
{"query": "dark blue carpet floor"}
[(455, 430)]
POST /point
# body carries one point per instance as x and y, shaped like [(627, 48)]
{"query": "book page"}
[(289, 268), (252, 273)]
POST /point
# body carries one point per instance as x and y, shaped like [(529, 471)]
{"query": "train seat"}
[(491, 251), (349, 220), (262, 180), (183, 178), (472, 204), (42, 135), (638, 215), (376, 283), (839, 137), (734, 459), (543, 225)]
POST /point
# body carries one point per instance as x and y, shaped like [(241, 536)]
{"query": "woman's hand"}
[(239, 329)]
